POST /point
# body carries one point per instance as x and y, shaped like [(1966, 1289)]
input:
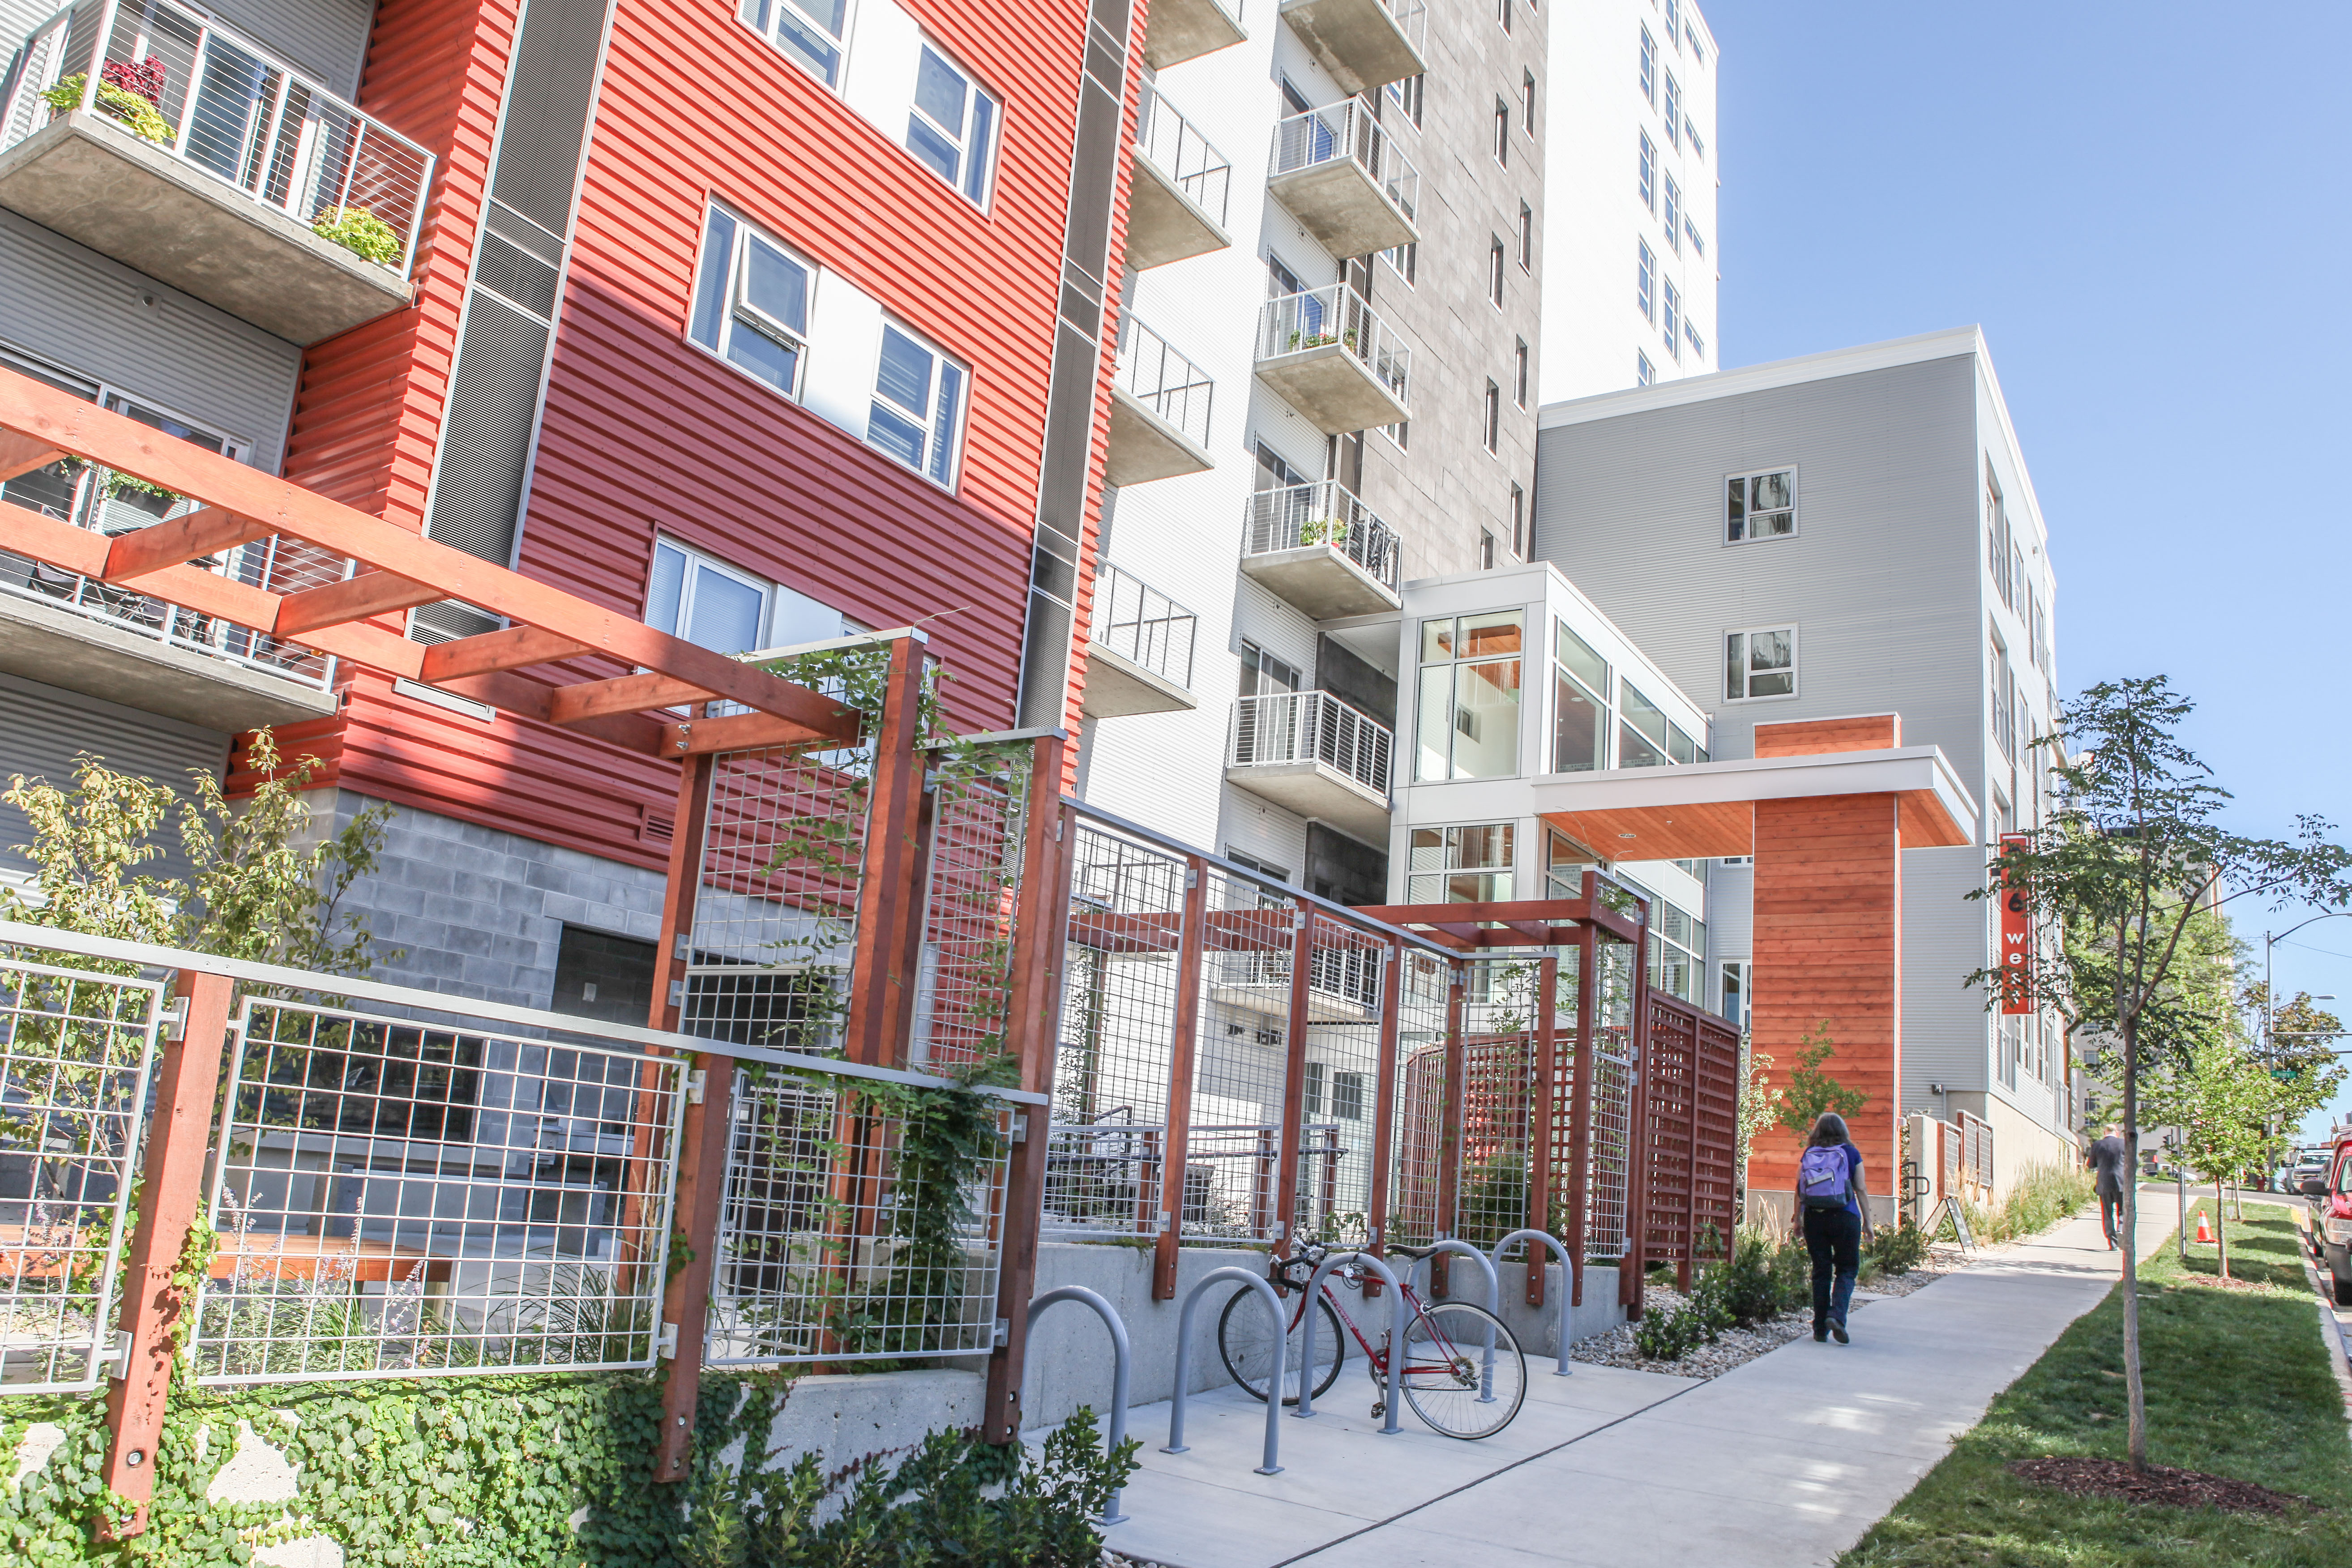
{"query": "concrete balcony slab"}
[(1119, 688), (63, 648), (1319, 792), (1341, 205), (1182, 30), (85, 176), (1144, 447), (1360, 42), (1333, 388), (1321, 582), (1164, 224)]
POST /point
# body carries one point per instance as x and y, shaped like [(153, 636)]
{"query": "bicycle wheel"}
[(1449, 1379), (1246, 1341)]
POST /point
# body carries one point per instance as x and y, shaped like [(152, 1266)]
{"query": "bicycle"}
[(1447, 1377)]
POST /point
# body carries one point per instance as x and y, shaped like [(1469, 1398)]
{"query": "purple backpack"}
[(1822, 1176)]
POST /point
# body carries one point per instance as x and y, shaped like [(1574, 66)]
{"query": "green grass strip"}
[(2238, 1385)]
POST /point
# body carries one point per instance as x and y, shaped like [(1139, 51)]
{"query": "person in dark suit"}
[(2105, 1159)]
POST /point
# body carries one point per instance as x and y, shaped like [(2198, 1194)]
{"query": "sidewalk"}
[(1786, 1460)]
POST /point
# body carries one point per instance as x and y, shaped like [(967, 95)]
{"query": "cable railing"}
[(1181, 152), (1296, 517), (222, 104), (1347, 131), (1310, 727), (1335, 314), (1143, 626), (1164, 381)]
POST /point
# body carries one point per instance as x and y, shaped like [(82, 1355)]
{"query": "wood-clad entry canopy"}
[(395, 570)]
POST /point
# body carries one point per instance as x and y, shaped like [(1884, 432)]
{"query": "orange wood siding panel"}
[(1812, 737)]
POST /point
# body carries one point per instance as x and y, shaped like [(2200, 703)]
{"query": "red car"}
[(2331, 1213)]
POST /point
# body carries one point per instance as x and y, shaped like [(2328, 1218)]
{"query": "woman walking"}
[(1831, 1202)]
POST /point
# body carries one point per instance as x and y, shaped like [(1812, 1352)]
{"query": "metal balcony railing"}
[(1164, 381), (1183, 155), (1335, 314), (1324, 513), (1310, 727), (220, 103), (1144, 625), (1348, 131)]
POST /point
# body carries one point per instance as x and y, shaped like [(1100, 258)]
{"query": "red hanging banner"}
[(2016, 937)]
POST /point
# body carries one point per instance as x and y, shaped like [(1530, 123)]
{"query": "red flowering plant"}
[(145, 77)]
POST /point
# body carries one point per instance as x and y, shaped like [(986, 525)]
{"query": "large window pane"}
[(1579, 726), (726, 613), (1486, 719), (1583, 663), (1435, 724)]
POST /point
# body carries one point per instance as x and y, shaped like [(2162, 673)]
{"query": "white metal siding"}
[(43, 728)]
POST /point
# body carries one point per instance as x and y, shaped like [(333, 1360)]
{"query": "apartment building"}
[(1630, 286), (762, 324), (1846, 534), (1326, 388)]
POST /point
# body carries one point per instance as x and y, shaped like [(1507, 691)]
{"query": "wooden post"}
[(177, 1134), (1539, 1119), (1580, 1111), (1294, 1082), (1384, 1131), (1041, 925), (1449, 1122), (1191, 944), (883, 978)]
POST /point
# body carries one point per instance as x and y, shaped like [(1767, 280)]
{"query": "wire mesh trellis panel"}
[(1416, 1129), (74, 1048), (1606, 1213), (1104, 1166), (846, 1232), (1241, 1065), (1498, 1099), (980, 814), (1346, 972), (396, 1198)]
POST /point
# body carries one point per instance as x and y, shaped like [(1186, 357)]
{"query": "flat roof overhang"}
[(1705, 810)]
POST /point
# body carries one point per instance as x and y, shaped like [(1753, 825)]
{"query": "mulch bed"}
[(2160, 1484)]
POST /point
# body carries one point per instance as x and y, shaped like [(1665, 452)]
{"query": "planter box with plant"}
[(128, 92), (361, 232)]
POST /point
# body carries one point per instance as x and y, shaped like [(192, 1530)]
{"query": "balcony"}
[(1364, 44), (1176, 202), (1139, 650), (1311, 753), (108, 640), (182, 150), (1339, 173), (1330, 357), (1182, 30), (1159, 410), (1320, 549)]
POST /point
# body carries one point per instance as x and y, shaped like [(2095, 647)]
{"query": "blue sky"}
[(2142, 206)]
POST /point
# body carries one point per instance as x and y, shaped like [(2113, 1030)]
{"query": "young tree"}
[(1758, 1107), (1811, 1090), (2224, 1101), (2134, 851)]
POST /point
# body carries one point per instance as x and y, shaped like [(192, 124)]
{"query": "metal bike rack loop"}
[(1110, 1315), (1184, 1356), (1494, 1303), (1396, 1337), (1567, 1297)]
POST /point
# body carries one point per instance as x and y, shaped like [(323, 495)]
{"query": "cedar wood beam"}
[(352, 599)]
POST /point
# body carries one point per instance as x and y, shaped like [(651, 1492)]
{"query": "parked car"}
[(2309, 1176), (2332, 1221)]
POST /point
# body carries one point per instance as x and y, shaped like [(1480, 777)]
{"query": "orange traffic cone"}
[(2204, 1230)]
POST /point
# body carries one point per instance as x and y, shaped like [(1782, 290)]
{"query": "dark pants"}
[(2111, 1212), (1835, 1238)]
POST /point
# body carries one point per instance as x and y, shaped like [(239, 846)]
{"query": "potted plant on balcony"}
[(361, 232), (130, 92)]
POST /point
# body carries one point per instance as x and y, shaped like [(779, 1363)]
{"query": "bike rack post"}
[(1494, 1303), (1567, 1297), (1396, 1337), (1175, 1444), (1118, 1344)]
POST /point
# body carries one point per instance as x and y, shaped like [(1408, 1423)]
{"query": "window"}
[(1407, 96), (812, 33), (1486, 550), (1399, 435), (1526, 104), (1643, 372), (1673, 15), (1998, 548), (1759, 663), (1503, 15), (1697, 53), (751, 305), (1258, 863), (1642, 733), (1645, 283), (1677, 950), (1673, 214), (1468, 720), (1646, 181), (1670, 318), (1735, 993), (1461, 865), (1263, 675), (1495, 272), (1690, 134), (1502, 133), (1404, 261), (1520, 374), (1672, 110), (2003, 689), (1760, 506), (2041, 632), (1527, 237), (1690, 331), (918, 407), (952, 125), (1494, 431), (1580, 717), (1564, 867), (1519, 522), (1691, 232), (1348, 1096), (73, 491), (1649, 66), (690, 595)]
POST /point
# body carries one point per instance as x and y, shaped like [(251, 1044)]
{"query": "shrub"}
[(1764, 1278), (2040, 1197), (360, 231), (115, 100), (1704, 1314), (1896, 1250)]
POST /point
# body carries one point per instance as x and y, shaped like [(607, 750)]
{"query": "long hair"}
[(1830, 1131)]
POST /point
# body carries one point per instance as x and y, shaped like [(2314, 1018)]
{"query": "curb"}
[(2332, 1329)]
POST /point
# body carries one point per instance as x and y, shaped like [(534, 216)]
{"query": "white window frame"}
[(1649, 70), (931, 433), (1747, 665), (733, 303), (1697, 338), (698, 561), (1407, 268), (1669, 303), (1673, 109), (1672, 216), (1690, 228), (771, 11), (1796, 505), (1645, 294), (1645, 373), (1646, 184), (1502, 148), (976, 181)]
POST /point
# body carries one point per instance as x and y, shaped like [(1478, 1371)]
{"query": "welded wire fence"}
[(980, 802), (1241, 1066), (1416, 1129), (853, 1225), (1346, 972), (75, 1050), (394, 1197)]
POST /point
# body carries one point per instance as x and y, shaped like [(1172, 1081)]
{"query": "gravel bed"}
[(1736, 1347)]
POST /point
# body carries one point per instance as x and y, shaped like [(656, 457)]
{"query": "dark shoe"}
[(1839, 1330), (1821, 1336)]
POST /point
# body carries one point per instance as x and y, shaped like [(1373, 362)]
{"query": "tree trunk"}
[(2135, 1388), (2221, 1230)]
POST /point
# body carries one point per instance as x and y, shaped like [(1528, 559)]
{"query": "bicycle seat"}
[(1415, 1253)]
